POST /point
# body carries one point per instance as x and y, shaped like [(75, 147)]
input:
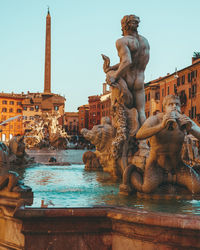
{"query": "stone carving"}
[(46, 132), (12, 191), (126, 81), (165, 171), (101, 136), (17, 153), (128, 75), (91, 161)]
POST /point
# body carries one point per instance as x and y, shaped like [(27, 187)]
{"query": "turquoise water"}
[(72, 186)]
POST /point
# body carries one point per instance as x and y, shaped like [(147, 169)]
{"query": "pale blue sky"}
[(81, 32)]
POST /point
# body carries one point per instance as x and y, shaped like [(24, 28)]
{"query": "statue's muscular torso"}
[(166, 147), (136, 49)]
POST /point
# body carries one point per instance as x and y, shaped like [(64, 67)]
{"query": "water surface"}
[(72, 186)]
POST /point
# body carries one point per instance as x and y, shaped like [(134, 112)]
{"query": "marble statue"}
[(46, 132), (125, 153), (166, 132), (126, 81), (91, 161), (101, 136), (9, 180), (17, 153), (133, 51)]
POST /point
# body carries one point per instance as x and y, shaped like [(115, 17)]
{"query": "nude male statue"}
[(133, 50), (166, 132)]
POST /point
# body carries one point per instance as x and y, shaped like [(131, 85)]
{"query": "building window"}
[(157, 96), (19, 111), (36, 107), (183, 79), (4, 109), (31, 108), (11, 102), (193, 112), (148, 96), (168, 90), (189, 77), (145, 98), (178, 81), (11, 110), (183, 97), (4, 102), (56, 108), (193, 74), (194, 90), (24, 108), (175, 89), (162, 92), (19, 103), (190, 93)]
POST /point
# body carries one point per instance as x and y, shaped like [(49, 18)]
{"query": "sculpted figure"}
[(128, 75), (91, 161), (17, 153), (8, 180), (101, 136), (166, 132), (126, 80)]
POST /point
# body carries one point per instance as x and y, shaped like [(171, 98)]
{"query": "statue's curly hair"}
[(125, 21)]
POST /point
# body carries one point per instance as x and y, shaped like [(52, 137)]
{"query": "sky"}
[(80, 32)]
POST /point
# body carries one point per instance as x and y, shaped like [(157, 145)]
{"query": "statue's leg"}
[(139, 97), (126, 96), (153, 177), (124, 157), (189, 178)]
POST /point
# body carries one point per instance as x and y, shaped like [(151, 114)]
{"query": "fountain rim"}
[(139, 216)]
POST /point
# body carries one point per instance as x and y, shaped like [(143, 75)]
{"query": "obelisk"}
[(47, 73)]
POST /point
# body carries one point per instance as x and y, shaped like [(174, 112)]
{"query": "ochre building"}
[(83, 117), (71, 123), (10, 107), (185, 83)]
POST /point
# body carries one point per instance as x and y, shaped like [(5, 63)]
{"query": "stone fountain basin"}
[(94, 227), (98, 228)]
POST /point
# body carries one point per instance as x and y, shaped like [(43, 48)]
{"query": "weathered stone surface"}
[(91, 161), (98, 228)]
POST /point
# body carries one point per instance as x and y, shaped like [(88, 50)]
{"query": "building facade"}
[(83, 117), (71, 123), (94, 110), (36, 104), (185, 83), (11, 107)]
